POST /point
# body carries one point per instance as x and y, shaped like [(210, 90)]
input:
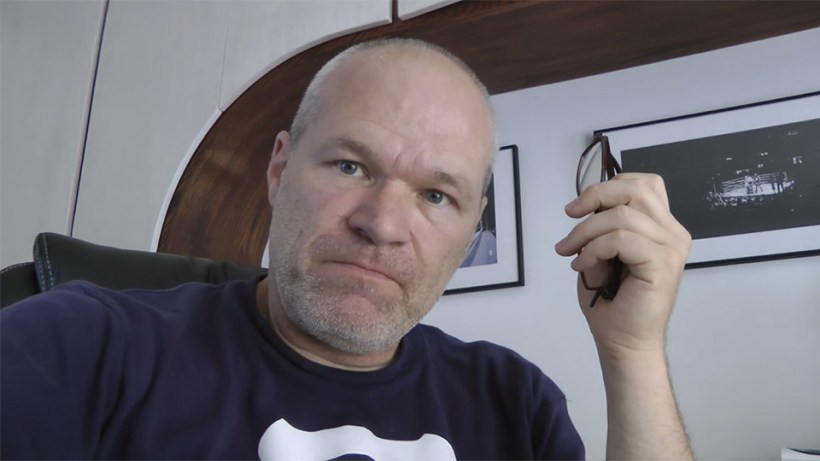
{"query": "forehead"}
[(416, 98)]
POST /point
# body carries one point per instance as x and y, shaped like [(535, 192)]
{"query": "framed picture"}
[(495, 258), (744, 181)]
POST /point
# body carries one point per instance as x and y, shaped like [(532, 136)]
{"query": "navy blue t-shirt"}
[(196, 372)]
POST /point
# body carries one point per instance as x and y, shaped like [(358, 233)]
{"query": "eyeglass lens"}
[(596, 165), (591, 168)]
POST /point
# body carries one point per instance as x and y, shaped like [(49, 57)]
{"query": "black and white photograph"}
[(495, 257), (745, 182), (483, 249)]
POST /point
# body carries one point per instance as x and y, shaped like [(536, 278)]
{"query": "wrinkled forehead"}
[(414, 89)]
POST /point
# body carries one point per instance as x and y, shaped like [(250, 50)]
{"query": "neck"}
[(309, 347)]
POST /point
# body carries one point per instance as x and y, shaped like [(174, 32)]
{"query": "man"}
[(376, 192)]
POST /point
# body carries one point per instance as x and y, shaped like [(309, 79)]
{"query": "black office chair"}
[(59, 259)]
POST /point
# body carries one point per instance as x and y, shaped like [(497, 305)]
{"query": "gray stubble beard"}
[(313, 305)]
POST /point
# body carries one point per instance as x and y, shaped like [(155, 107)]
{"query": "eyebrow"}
[(353, 146), (456, 181)]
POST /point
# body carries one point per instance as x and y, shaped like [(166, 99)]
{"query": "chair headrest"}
[(59, 259)]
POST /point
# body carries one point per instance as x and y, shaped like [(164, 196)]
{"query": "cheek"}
[(306, 209), (444, 247)]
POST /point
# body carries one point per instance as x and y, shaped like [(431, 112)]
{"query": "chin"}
[(358, 326), (359, 346)]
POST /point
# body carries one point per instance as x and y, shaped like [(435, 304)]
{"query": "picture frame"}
[(495, 258), (744, 181)]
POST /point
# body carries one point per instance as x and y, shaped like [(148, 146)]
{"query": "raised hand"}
[(633, 222)]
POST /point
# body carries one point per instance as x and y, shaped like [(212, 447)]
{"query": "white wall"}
[(48, 51), (167, 69), (744, 342), (157, 90), (263, 34)]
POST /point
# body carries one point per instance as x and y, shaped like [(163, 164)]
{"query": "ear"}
[(484, 201), (278, 162)]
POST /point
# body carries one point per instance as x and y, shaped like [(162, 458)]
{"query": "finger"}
[(654, 181), (632, 249), (645, 258), (595, 274), (645, 192), (619, 218), (600, 250)]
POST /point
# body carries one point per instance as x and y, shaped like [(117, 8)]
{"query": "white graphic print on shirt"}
[(283, 441)]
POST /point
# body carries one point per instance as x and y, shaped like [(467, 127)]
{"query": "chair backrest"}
[(17, 282), (59, 259)]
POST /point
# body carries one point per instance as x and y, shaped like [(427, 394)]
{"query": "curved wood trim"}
[(220, 209)]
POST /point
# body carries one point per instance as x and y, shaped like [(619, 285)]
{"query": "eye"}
[(348, 168), (436, 197)]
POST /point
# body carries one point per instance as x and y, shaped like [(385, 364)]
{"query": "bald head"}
[(379, 55)]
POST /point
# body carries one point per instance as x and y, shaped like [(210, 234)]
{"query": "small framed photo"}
[(495, 258), (744, 181)]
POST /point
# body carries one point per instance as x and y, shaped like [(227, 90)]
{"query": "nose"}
[(383, 215)]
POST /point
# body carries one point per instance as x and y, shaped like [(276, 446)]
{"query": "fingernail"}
[(571, 204)]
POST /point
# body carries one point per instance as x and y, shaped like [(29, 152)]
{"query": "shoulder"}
[(492, 363), (82, 358), (75, 305), (455, 348), (85, 330), (93, 311), (81, 300), (483, 378)]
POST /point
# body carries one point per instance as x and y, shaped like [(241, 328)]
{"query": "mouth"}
[(364, 271)]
